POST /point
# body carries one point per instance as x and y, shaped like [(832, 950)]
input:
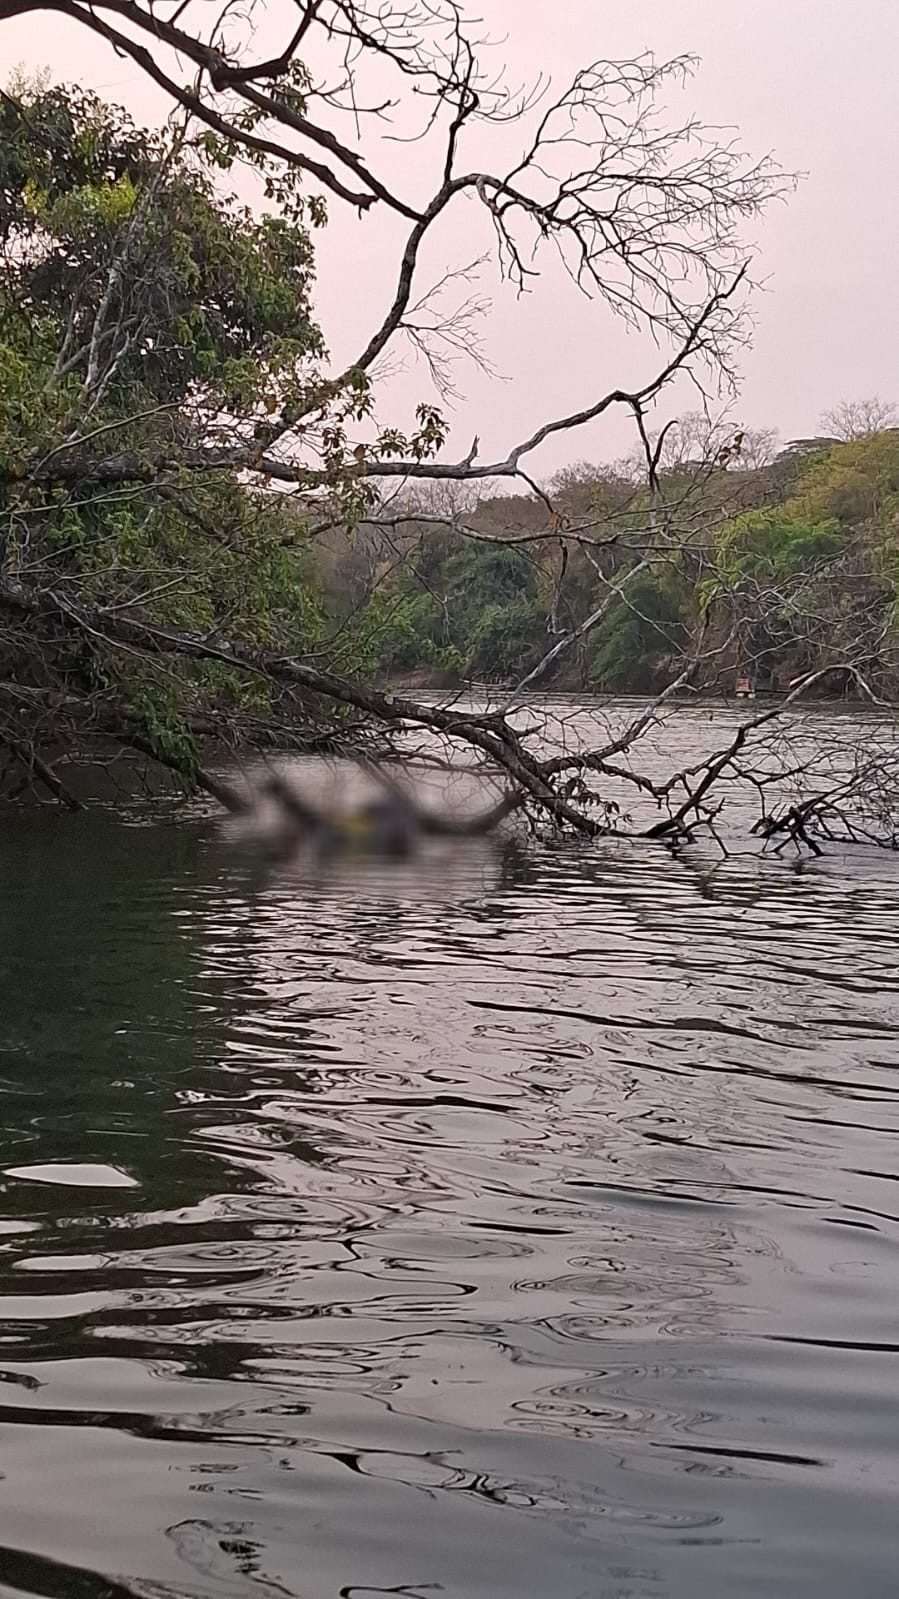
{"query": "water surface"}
[(523, 1231)]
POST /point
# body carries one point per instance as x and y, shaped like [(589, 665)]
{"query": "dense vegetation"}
[(141, 308), (154, 336), (192, 539), (790, 566)]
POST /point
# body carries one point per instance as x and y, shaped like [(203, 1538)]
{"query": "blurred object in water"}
[(385, 823)]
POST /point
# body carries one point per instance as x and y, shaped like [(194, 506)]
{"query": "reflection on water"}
[(522, 1231)]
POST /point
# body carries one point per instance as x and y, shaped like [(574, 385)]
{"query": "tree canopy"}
[(143, 312)]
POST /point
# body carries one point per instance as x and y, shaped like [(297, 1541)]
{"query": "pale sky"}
[(813, 81)]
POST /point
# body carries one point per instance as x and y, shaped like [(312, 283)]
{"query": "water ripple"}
[(527, 1233)]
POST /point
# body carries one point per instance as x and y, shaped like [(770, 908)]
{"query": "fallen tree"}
[(173, 442)]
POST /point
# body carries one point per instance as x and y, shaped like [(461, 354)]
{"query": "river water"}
[(525, 1229)]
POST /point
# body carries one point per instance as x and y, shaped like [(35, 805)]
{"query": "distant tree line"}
[(786, 558)]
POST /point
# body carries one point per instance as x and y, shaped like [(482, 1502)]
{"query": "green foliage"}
[(458, 606), (855, 484), (496, 617), (164, 730), (142, 310), (642, 625), (204, 293), (394, 633), (801, 579), (773, 544), (507, 639)]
